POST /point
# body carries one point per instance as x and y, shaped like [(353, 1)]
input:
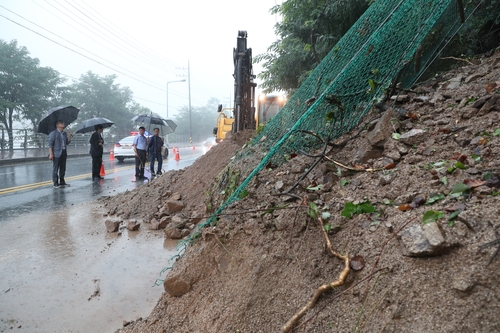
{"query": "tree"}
[(26, 89), (308, 31), (101, 97), (203, 120)]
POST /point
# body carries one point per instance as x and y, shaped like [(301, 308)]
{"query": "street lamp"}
[(183, 80)]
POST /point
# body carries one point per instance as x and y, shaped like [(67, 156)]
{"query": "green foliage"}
[(312, 210), (431, 216), (497, 132), (27, 90), (307, 32), (459, 189), (435, 198), (202, 121), (396, 136), (362, 208), (344, 182)]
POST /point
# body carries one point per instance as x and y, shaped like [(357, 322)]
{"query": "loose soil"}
[(253, 270)]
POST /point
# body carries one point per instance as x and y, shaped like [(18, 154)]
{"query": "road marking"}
[(49, 182)]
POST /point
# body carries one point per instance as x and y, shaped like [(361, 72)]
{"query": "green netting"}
[(354, 75)]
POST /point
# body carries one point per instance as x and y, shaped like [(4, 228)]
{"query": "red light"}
[(118, 144), (134, 133)]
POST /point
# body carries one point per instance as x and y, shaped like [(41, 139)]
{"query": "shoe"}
[(57, 186), (158, 173), (153, 173), (64, 184)]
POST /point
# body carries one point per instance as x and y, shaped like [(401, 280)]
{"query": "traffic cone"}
[(194, 148), (102, 173), (177, 156), (111, 155)]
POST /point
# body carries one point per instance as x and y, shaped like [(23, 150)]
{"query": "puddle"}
[(61, 272)]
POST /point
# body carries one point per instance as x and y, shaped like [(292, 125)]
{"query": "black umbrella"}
[(66, 113), (149, 119), (89, 124)]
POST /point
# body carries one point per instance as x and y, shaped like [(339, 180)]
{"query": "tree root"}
[(323, 288)]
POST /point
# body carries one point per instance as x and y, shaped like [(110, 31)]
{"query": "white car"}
[(208, 143), (123, 149)]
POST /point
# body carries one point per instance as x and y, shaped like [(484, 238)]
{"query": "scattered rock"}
[(413, 137), (133, 225), (164, 222), (382, 130), (172, 232), (174, 206), (423, 242), (112, 226)]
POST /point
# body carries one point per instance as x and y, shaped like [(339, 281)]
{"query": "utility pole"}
[(189, 105)]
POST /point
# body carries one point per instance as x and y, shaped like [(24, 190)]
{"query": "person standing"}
[(154, 148), (96, 151), (58, 141), (140, 144)]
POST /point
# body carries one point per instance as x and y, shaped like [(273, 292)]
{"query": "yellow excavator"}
[(244, 114)]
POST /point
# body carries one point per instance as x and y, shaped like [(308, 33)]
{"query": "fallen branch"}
[(340, 294), (323, 288), (458, 59)]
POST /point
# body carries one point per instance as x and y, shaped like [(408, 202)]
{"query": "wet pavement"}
[(59, 269)]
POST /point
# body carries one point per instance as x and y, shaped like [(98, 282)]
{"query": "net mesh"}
[(379, 47)]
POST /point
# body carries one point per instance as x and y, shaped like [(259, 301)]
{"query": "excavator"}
[(244, 114)]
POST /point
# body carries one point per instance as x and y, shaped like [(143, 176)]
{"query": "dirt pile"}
[(414, 228)]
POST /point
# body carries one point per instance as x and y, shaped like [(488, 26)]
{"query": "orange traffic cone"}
[(102, 173), (194, 148), (177, 156), (111, 155)]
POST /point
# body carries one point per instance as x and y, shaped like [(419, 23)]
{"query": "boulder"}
[(112, 226), (172, 232), (133, 225), (174, 206), (382, 130), (164, 222)]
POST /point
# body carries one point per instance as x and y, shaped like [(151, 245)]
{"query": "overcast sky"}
[(145, 43)]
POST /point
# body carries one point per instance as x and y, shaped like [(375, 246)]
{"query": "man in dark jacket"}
[(96, 150), (154, 148), (58, 142)]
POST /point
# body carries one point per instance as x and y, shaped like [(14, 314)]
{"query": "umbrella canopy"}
[(66, 113), (149, 119), (89, 124)]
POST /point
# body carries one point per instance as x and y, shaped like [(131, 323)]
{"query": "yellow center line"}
[(49, 182)]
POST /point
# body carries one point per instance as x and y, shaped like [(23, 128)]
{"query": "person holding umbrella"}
[(58, 141), (154, 146), (96, 149), (140, 144)]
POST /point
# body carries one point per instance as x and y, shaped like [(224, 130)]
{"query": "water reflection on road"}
[(53, 262)]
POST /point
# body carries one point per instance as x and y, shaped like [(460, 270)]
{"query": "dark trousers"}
[(155, 156), (96, 166), (140, 161), (59, 165)]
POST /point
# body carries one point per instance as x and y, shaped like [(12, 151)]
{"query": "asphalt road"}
[(27, 187), (60, 271)]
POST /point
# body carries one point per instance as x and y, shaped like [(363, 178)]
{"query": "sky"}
[(145, 43)]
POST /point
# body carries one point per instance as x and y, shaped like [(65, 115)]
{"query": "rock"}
[(196, 217), (382, 130), (154, 224), (366, 152), (185, 232), (176, 286), (172, 232), (474, 77), (175, 196), (400, 98), (480, 102), (468, 219), (279, 185), (436, 98), (164, 222), (126, 323), (413, 137), (490, 105), (386, 179), (463, 284), (162, 212), (178, 221), (392, 154), (423, 242), (454, 82), (112, 226), (297, 168), (477, 140), (463, 102), (421, 99), (174, 206), (133, 225)]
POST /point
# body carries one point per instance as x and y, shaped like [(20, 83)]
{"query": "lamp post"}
[(183, 80)]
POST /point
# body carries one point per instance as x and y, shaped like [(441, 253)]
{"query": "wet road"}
[(59, 269)]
